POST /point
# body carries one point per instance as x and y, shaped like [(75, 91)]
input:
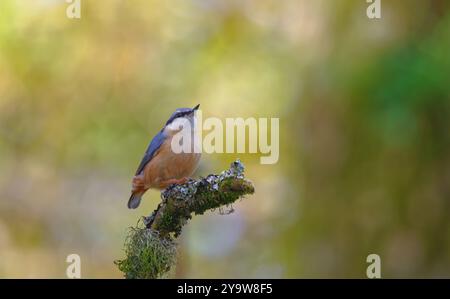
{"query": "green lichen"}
[(148, 255)]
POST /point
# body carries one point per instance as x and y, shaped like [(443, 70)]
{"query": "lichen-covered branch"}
[(179, 202), (150, 250)]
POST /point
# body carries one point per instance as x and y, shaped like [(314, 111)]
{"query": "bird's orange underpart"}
[(168, 168), (164, 169), (138, 183)]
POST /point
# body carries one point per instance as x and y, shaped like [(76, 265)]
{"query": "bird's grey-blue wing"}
[(154, 145)]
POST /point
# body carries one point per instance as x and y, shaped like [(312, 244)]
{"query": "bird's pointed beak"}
[(196, 108)]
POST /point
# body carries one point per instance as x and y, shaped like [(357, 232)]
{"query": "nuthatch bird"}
[(161, 166)]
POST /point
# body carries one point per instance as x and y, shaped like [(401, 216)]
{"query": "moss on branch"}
[(150, 248)]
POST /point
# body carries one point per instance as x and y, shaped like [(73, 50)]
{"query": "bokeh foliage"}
[(364, 112)]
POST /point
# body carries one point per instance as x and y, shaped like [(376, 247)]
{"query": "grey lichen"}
[(150, 250)]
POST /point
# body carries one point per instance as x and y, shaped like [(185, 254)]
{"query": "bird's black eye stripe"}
[(181, 114)]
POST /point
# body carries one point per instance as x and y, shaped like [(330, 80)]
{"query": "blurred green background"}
[(364, 108)]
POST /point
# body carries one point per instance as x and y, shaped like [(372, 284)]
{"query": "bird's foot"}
[(174, 182), (183, 181)]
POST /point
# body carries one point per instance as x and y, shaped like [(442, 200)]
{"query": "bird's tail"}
[(135, 200)]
